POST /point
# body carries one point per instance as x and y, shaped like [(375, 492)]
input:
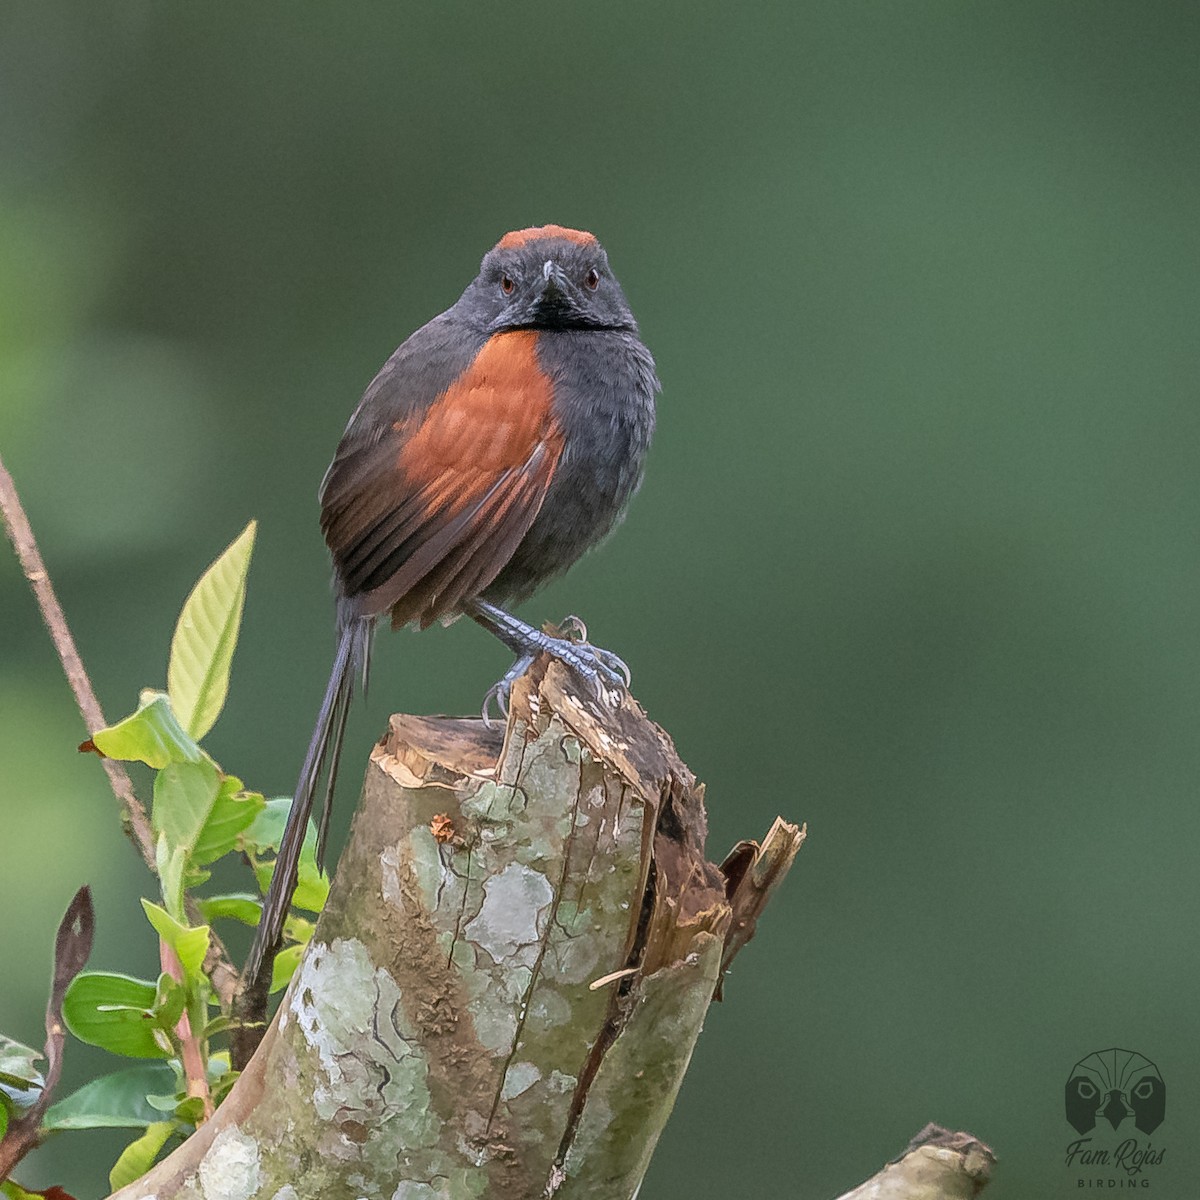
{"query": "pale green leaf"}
[(14, 1191), (190, 942), (206, 635), (312, 884), (286, 962), (170, 1002), (138, 1157), (233, 811), (184, 796), (297, 929), (267, 830), (235, 906), (151, 735), (170, 864)]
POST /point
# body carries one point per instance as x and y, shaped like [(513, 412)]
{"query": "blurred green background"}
[(915, 560)]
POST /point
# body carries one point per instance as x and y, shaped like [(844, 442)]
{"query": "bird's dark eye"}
[(592, 280), (507, 286)]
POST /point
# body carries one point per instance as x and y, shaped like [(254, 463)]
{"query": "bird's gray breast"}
[(604, 384)]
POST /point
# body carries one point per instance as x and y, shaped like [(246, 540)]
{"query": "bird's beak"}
[(553, 279), (554, 296)]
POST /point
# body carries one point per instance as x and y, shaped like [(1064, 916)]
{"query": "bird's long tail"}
[(324, 752)]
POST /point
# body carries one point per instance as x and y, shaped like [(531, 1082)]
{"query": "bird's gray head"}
[(546, 278)]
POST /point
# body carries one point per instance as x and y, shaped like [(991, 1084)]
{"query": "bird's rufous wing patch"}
[(431, 515)]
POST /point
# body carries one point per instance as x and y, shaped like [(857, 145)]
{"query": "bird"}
[(498, 443)]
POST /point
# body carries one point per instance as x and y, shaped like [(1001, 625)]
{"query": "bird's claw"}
[(614, 663), (598, 667), (497, 694), (500, 693), (573, 629)]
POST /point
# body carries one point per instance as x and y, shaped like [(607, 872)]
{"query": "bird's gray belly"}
[(604, 403)]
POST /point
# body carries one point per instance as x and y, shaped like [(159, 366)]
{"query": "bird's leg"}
[(597, 666)]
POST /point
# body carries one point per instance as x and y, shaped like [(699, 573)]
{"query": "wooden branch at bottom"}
[(504, 991), (938, 1165)]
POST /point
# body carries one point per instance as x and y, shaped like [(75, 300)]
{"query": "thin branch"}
[(189, 1040), (133, 815), (16, 524), (218, 966)]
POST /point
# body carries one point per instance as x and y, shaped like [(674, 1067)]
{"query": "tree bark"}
[(512, 969)]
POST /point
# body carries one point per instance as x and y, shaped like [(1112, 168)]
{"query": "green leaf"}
[(297, 929), (169, 1003), (221, 1086), (3, 1118), (218, 1067), (116, 1013), (170, 864), (20, 1080), (190, 1109), (14, 1191), (194, 877), (114, 1101), (267, 830), (236, 906), (138, 1157), (205, 637), (233, 811), (190, 942), (184, 796), (219, 1025), (286, 962), (312, 885), (151, 735)]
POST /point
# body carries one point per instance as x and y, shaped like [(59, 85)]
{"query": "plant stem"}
[(133, 815), (16, 524)]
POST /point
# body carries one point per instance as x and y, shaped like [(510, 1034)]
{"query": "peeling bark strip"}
[(443, 1038)]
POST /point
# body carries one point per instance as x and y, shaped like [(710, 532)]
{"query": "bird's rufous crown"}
[(537, 233)]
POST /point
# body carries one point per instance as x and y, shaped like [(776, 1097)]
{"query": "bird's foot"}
[(569, 645), (571, 629)]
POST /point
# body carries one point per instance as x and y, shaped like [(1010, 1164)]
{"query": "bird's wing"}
[(426, 512)]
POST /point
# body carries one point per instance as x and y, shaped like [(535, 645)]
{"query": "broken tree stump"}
[(504, 990)]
